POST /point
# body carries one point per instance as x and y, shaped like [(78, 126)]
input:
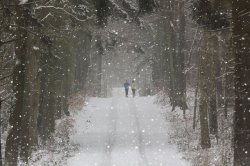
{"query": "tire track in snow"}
[(111, 134), (141, 147)]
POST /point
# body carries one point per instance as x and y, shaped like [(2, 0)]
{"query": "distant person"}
[(126, 86), (133, 87)]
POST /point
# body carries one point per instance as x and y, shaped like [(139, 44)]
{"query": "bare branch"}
[(6, 77), (6, 42), (62, 9)]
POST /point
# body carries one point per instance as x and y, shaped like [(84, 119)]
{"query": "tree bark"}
[(212, 54), (177, 65), (14, 136), (241, 41), (100, 53), (103, 11), (147, 5), (44, 95), (31, 99), (225, 92), (204, 92), (195, 103), (1, 158)]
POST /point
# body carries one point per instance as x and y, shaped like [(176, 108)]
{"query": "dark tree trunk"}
[(103, 11), (177, 65), (195, 103), (172, 54), (147, 5), (211, 83), (44, 95), (31, 99), (83, 61), (205, 140), (204, 90), (225, 92), (48, 110), (180, 59), (219, 72), (100, 53), (1, 158), (241, 40), (51, 112), (13, 139), (14, 136), (213, 122)]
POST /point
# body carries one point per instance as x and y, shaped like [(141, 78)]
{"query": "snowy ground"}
[(123, 132)]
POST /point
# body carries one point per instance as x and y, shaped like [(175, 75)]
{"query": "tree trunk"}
[(43, 101), (219, 72), (103, 11), (212, 54), (147, 5), (177, 65), (241, 40), (195, 104), (44, 95), (1, 158), (204, 92), (100, 53), (205, 140), (14, 136), (51, 112), (31, 99), (180, 59), (225, 91)]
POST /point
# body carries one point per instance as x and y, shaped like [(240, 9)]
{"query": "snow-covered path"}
[(123, 132)]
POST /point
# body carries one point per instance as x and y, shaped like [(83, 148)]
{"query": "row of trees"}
[(215, 17), (218, 51), (44, 59), (45, 47)]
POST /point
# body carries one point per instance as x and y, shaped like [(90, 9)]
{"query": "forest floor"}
[(121, 131)]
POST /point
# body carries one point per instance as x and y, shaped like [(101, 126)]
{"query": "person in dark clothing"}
[(133, 87), (126, 86)]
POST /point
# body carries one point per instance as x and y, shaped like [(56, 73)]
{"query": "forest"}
[(192, 56)]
